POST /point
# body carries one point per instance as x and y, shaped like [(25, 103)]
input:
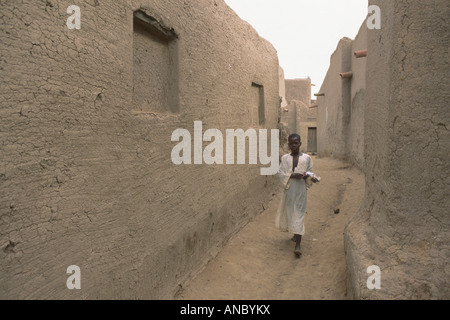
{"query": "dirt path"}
[(259, 262)]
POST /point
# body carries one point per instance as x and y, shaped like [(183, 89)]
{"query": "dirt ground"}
[(258, 263)]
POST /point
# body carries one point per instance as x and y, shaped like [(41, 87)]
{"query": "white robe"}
[(292, 208)]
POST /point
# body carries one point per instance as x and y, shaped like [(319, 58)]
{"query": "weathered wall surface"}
[(402, 226), (289, 116), (333, 115), (297, 118), (282, 88), (284, 134), (355, 130), (297, 115), (86, 175), (341, 110), (306, 118), (298, 89)]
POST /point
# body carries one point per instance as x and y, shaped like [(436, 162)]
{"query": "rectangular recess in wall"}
[(155, 65), (261, 103), (312, 140)]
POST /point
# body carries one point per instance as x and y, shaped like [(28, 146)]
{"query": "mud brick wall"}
[(298, 89), (333, 114), (341, 109), (402, 225), (86, 176)]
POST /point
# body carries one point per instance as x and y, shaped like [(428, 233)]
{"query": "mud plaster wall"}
[(402, 225), (298, 89), (341, 110), (85, 171), (355, 130), (306, 118), (289, 116), (299, 116), (282, 88), (333, 115)]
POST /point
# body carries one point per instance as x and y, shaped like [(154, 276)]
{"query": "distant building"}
[(299, 115)]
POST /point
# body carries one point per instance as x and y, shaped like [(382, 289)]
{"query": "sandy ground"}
[(258, 263)]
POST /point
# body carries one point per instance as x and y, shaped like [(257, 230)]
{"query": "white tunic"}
[(292, 208)]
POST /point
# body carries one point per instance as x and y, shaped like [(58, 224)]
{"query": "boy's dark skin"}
[(294, 145)]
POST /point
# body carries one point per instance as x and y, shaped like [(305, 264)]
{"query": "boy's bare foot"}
[(297, 251)]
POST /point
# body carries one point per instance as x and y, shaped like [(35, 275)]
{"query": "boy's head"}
[(294, 142)]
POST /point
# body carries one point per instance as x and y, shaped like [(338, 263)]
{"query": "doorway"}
[(312, 140)]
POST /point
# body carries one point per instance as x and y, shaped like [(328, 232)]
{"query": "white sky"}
[(305, 33)]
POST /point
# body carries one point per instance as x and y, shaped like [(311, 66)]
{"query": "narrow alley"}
[(259, 263), (135, 141)]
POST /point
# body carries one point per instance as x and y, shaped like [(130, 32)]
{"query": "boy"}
[(292, 208)]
